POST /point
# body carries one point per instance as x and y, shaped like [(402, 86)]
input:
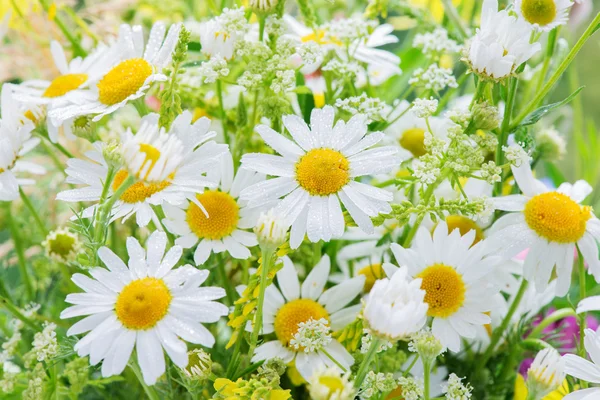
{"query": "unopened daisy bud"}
[(112, 155), (409, 389), (272, 367), (329, 384), (550, 144), (456, 390), (376, 383), (270, 230), (485, 116), (263, 6), (62, 245), (395, 308), (545, 374), (84, 128), (427, 345), (312, 335), (199, 364), (424, 108)]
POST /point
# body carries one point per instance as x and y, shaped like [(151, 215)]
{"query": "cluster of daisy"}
[(295, 202)]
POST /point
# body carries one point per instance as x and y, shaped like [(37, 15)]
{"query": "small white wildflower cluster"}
[(516, 155), (427, 169), (433, 78), (35, 386), (45, 344), (412, 389), (349, 30), (373, 108), (213, 69), (9, 377), (366, 340), (426, 345), (550, 144), (455, 389), (376, 383), (436, 43), (345, 70), (311, 53), (486, 208), (234, 22), (491, 172), (312, 335), (424, 108), (9, 347)]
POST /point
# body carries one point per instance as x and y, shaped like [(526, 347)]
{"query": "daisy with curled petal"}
[(455, 275), (145, 304), (223, 224), (285, 308), (543, 15), (15, 142), (129, 77), (551, 223), (70, 86), (318, 169), (581, 368), (170, 168)]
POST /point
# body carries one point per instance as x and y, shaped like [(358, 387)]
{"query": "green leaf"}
[(536, 115), (302, 90), (554, 174)]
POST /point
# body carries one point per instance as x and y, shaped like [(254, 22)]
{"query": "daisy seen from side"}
[(316, 170), (293, 304), (147, 305)]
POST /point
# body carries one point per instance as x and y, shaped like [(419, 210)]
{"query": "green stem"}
[(497, 335), (504, 129), (340, 366), (267, 255), (261, 27), (364, 366), (33, 212), (222, 111), (11, 308), (550, 319), (104, 209), (426, 380), (479, 89), (410, 367), (77, 49), (548, 57), (453, 16), (559, 71), (20, 254), (224, 281), (233, 364), (582, 295), (150, 391)]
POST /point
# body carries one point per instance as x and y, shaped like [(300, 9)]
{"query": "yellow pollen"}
[(142, 303), (319, 99), (294, 312), (372, 273), (464, 225), (322, 172), (318, 36), (556, 217), (139, 191), (541, 12), (30, 116), (123, 80), (64, 84), (444, 290), (334, 384), (413, 140), (223, 215)]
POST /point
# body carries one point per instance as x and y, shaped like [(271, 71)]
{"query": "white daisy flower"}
[(543, 15), (329, 383), (501, 44), (455, 276), (379, 62), (129, 78), (317, 170), (171, 168), (546, 373), (292, 304), (223, 224), (551, 223), (581, 368), (15, 142), (71, 86), (147, 305)]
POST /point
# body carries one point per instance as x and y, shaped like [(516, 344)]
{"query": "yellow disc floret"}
[(541, 12), (444, 290), (322, 172), (223, 215), (556, 217), (464, 225), (142, 303), (372, 272), (123, 80), (139, 191), (65, 84), (335, 384), (413, 140), (291, 314)]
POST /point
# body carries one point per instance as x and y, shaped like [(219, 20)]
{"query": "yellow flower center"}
[(556, 217), (395, 394), (541, 12), (61, 245), (223, 215), (64, 84), (464, 226), (318, 36), (123, 80), (372, 273), (322, 172), (142, 303), (294, 312), (139, 191), (444, 290), (334, 384), (413, 140)]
